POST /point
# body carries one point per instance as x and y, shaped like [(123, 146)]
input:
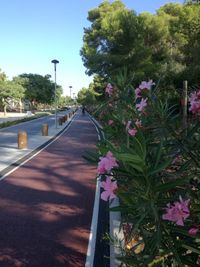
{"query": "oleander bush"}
[(151, 163)]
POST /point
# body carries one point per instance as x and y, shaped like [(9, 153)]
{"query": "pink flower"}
[(195, 107), (132, 131), (143, 103), (146, 85), (195, 103), (109, 89), (177, 212), (106, 163), (193, 231), (138, 93), (194, 96), (109, 188), (110, 122)]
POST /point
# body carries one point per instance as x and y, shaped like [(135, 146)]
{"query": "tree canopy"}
[(162, 46)]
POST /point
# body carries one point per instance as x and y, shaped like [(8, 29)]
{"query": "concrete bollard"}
[(45, 129), (22, 140)]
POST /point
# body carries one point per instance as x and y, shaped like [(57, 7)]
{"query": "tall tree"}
[(113, 40)]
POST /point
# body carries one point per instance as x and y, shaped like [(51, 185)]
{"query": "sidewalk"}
[(11, 154), (11, 116), (47, 203)]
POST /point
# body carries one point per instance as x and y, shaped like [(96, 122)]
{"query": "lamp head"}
[(55, 61)]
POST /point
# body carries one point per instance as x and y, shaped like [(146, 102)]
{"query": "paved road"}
[(33, 127), (9, 152), (46, 205)]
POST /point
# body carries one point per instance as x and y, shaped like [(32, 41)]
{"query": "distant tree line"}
[(29, 91)]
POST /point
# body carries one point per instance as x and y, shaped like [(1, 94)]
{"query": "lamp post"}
[(55, 61), (70, 88)]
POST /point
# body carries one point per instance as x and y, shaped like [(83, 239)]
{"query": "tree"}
[(163, 47), (65, 101), (86, 97), (39, 89), (191, 1), (10, 91), (114, 40)]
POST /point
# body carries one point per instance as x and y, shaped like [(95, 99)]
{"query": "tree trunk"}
[(20, 105)]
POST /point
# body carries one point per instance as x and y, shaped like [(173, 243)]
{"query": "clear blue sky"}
[(33, 32)]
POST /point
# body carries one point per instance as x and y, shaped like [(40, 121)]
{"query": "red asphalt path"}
[(46, 204)]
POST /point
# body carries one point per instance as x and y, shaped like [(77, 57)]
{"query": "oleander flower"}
[(110, 122), (141, 106), (193, 231), (131, 131), (109, 89), (146, 85), (138, 93), (110, 188), (177, 212), (106, 163), (194, 100)]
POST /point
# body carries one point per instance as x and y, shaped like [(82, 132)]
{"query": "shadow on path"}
[(46, 205)]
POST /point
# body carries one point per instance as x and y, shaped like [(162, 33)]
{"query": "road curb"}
[(114, 219)]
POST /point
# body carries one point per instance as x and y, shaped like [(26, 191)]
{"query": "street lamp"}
[(55, 61), (70, 88)]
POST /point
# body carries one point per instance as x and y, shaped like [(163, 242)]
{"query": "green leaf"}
[(169, 185), (137, 167), (195, 250), (126, 157), (161, 167), (158, 153)]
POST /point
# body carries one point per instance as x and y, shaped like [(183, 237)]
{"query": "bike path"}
[(46, 204)]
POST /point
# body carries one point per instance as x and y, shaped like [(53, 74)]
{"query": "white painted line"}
[(93, 230), (5, 175)]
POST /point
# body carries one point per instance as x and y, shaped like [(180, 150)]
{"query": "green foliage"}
[(163, 45), (9, 91), (86, 96), (40, 88), (2, 75), (156, 166)]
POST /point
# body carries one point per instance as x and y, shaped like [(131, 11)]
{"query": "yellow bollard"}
[(45, 128), (22, 140)]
